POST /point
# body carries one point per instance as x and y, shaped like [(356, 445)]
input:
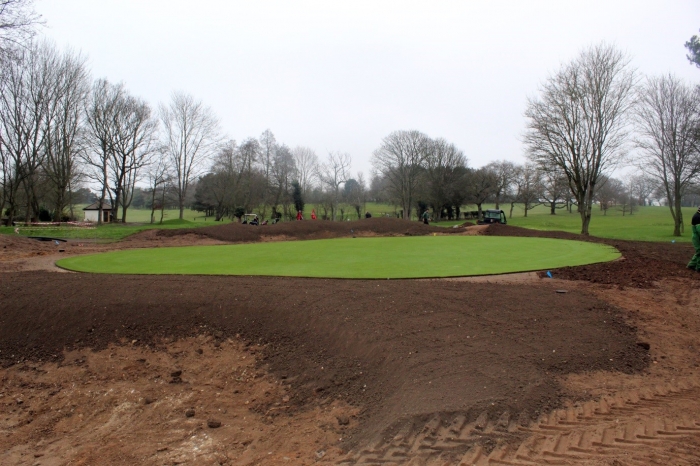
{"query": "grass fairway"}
[(405, 257)]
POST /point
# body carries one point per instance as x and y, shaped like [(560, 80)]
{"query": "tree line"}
[(593, 115), (61, 130)]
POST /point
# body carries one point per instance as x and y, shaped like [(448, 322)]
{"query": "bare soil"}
[(596, 366)]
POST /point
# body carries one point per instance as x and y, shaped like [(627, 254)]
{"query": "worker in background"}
[(426, 217), (694, 263), (300, 216), (313, 214)]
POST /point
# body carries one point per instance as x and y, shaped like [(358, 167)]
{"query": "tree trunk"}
[(585, 218), (677, 217)]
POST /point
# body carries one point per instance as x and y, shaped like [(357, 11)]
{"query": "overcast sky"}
[(341, 75)]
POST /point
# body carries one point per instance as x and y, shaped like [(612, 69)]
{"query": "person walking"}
[(300, 216), (313, 214), (694, 263), (426, 217)]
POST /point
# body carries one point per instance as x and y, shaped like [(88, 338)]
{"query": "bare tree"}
[(555, 189), (628, 201), (505, 173), (27, 87), (220, 190), (480, 184), (282, 173), (306, 163), (444, 172), (62, 130), (253, 190), (667, 123), (609, 193), (134, 142), (158, 177), (268, 148), (333, 173), (641, 186), (100, 111), (18, 22), (529, 188), (191, 133), (400, 160), (578, 124)]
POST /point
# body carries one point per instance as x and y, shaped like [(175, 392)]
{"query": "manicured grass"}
[(648, 224), (405, 257), (137, 220)]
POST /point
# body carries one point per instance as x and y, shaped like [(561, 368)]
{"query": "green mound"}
[(406, 257)]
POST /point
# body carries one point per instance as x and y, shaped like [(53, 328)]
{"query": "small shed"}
[(92, 212)]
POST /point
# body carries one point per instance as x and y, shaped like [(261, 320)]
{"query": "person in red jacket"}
[(300, 216), (313, 214)]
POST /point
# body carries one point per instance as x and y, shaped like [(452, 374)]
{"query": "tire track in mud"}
[(628, 428)]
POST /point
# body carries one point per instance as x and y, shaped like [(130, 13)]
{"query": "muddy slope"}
[(398, 348), (643, 264)]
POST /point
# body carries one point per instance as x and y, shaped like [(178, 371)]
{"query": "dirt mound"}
[(643, 264), (239, 233), (385, 346)]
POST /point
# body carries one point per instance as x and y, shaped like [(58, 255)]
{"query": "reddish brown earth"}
[(596, 366)]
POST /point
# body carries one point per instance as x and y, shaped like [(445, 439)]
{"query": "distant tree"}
[(480, 186), (253, 189), (693, 46), (378, 188), (529, 188), (505, 175), (667, 122), (62, 131), (641, 186), (306, 165), (355, 194), (191, 133), (609, 193), (400, 161), (333, 173), (134, 141), (29, 88), (219, 192), (100, 111), (158, 178), (555, 189), (281, 175), (578, 124), (627, 201), (267, 150), (297, 196), (443, 175)]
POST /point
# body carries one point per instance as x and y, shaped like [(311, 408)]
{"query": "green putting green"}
[(403, 257)]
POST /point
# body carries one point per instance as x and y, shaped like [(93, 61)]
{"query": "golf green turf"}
[(402, 257)]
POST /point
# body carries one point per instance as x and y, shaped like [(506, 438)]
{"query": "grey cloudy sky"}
[(341, 75)]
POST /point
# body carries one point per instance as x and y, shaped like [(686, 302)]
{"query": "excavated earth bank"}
[(101, 369)]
